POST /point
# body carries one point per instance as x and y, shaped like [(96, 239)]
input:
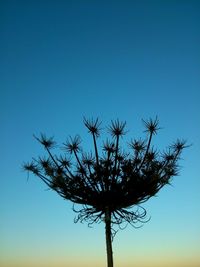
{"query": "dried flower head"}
[(112, 180), (46, 142), (73, 144), (93, 126), (117, 128), (151, 125)]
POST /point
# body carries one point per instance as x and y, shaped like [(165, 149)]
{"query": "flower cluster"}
[(111, 179)]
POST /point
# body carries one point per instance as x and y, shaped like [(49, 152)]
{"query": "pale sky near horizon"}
[(62, 60)]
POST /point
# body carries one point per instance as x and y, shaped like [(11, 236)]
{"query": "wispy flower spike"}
[(73, 145), (31, 167), (65, 162), (137, 145), (93, 126), (46, 142), (117, 128), (109, 146), (45, 163), (88, 159), (168, 155), (151, 125), (151, 155), (179, 145)]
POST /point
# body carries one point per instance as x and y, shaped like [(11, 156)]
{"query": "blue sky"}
[(62, 60)]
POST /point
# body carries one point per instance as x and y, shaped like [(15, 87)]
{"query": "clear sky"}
[(62, 60)]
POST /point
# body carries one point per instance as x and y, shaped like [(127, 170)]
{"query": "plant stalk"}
[(108, 238)]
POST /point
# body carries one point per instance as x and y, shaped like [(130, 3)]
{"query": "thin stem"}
[(88, 179), (97, 161), (95, 147), (70, 173), (115, 164), (107, 172), (44, 179), (116, 153), (147, 150), (108, 237), (50, 154)]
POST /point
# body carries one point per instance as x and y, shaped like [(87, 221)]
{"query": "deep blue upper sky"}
[(62, 60), (133, 57)]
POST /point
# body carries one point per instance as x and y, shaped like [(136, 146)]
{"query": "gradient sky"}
[(62, 60)]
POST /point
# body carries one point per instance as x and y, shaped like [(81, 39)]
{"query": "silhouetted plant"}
[(110, 186)]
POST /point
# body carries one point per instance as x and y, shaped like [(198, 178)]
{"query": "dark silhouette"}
[(109, 184)]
